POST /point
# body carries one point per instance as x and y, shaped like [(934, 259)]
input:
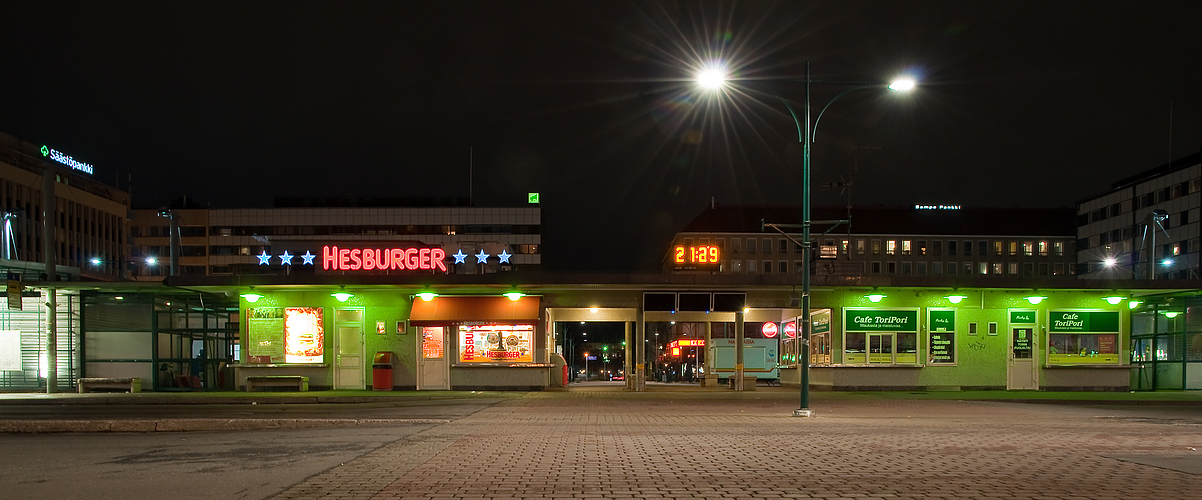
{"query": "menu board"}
[(285, 335), (493, 343), (943, 348), (10, 349), (265, 335)]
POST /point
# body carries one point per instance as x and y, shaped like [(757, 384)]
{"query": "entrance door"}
[(433, 369), (1022, 370), (348, 364), (880, 348)]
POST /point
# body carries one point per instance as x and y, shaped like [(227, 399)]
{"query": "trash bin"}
[(381, 371)]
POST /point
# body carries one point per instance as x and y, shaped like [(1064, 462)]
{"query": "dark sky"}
[(1020, 103)]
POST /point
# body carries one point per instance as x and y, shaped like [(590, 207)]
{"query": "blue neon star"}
[(308, 258), (459, 256), (481, 257), (504, 256), (264, 258), (286, 258)]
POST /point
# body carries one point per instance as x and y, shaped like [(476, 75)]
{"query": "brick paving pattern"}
[(621, 445)]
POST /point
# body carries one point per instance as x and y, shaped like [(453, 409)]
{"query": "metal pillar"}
[(50, 251), (737, 384)]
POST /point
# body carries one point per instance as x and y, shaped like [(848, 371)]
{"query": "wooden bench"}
[(300, 382), (133, 384)]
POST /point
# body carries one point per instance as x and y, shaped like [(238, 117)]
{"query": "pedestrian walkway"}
[(676, 445)]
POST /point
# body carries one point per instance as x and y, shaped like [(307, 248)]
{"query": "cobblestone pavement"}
[(620, 445)]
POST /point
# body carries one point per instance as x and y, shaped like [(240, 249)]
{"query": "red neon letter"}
[(411, 258), (437, 256), (344, 257), (329, 256), (423, 257), (398, 258), (356, 262)]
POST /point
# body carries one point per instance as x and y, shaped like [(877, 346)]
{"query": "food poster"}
[(493, 343), (304, 335)]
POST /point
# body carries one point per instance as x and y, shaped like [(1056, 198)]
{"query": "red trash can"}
[(381, 371), (565, 375)]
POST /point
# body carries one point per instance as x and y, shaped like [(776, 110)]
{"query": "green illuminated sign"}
[(821, 322), (880, 320), (943, 321), (1022, 317), (531, 197), (1084, 321)]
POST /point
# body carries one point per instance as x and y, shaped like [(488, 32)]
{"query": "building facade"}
[(1146, 227), (291, 240), (920, 241), (90, 218)]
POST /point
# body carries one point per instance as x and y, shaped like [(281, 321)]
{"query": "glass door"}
[(1022, 374), (433, 372), (880, 348)]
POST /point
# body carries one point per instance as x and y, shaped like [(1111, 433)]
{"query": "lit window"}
[(1028, 248), (905, 247), (997, 268), (890, 247), (1058, 247), (1043, 248), (1012, 268), (1013, 248)]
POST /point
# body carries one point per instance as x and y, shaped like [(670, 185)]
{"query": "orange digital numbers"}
[(695, 255)]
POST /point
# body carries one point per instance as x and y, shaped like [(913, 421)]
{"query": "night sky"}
[(1035, 104)]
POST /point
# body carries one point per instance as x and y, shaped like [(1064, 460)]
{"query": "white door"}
[(348, 364), (433, 370), (1022, 373)]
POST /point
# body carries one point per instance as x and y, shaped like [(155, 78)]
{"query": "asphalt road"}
[(416, 409)]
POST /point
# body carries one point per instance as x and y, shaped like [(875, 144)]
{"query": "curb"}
[(197, 424)]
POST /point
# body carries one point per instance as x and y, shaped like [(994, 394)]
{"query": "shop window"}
[(854, 346)]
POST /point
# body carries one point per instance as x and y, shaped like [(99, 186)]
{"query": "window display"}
[(493, 343), (1083, 337), (285, 335)]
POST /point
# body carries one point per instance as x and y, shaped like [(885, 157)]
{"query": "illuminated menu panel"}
[(695, 256), (432, 342), (304, 335), (493, 343)]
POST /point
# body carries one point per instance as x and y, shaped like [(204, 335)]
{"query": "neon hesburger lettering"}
[(383, 259)]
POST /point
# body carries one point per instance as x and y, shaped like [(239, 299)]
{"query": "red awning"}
[(454, 309)]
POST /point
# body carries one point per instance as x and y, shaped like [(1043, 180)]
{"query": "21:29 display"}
[(703, 254)]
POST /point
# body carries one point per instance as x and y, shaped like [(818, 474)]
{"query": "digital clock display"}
[(701, 255)]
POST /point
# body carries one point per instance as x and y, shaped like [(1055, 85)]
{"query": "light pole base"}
[(805, 412)]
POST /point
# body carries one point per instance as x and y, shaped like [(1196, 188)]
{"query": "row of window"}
[(1123, 234), (829, 249), (920, 268), (200, 231), (1141, 201)]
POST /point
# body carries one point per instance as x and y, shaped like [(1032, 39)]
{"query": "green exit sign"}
[(532, 197)]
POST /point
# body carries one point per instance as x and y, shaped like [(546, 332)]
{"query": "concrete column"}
[(738, 382)]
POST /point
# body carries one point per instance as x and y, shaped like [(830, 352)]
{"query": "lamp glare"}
[(252, 297), (515, 296), (427, 296), (1134, 304), (875, 297), (342, 296), (1113, 300), (902, 85), (1110, 262), (1035, 300), (711, 78), (955, 299)]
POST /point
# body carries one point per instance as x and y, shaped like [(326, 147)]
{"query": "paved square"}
[(623, 445)]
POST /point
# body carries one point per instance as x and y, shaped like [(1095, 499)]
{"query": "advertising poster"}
[(265, 335), (492, 343), (10, 350), (304, 335)]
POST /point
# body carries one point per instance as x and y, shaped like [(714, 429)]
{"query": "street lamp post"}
[(714, 78)]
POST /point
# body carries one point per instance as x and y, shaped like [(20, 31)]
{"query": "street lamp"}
[(714, 78)]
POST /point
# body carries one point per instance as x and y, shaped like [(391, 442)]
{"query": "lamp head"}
[(712, 77)]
